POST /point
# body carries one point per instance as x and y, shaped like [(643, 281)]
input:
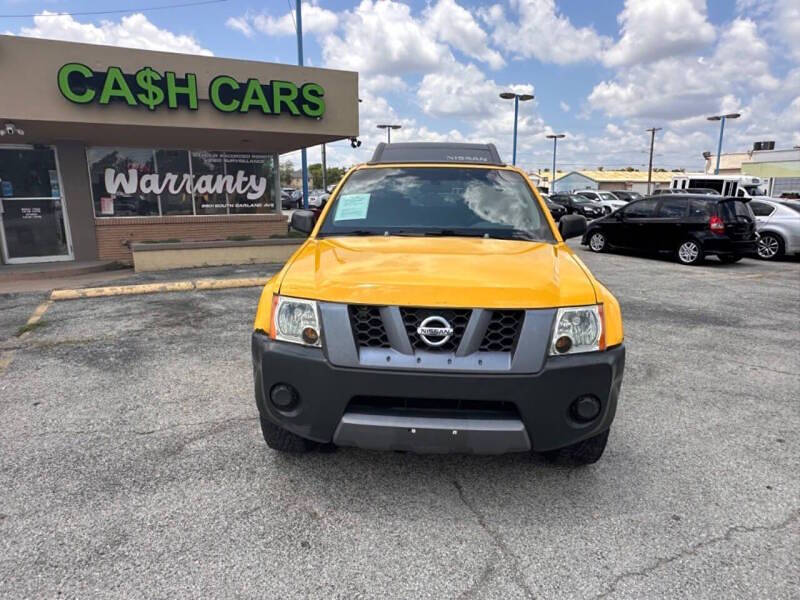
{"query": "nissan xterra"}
[(435, 307)]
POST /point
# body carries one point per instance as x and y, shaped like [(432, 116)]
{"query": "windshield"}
[(754, 190), (436, 201), (582, 199)]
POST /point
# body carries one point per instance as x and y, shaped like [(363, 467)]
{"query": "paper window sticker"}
[(351, 207)]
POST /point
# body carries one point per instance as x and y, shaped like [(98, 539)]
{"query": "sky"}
[(602, 71)]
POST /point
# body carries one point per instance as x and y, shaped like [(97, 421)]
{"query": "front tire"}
[(690, 253), (770, 246), (585, 452), (598, 242), (282, 440)]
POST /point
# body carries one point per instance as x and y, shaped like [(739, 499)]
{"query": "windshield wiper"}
[(360, 232)]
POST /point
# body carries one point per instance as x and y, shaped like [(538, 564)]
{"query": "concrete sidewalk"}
[(129, 277)]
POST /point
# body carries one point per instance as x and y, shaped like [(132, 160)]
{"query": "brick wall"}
[(114, 234)]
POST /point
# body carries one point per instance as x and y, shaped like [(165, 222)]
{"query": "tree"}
[(335, 175), (315, 171), (287, 169)]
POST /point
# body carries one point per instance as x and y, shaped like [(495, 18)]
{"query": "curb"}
[(157, 288)]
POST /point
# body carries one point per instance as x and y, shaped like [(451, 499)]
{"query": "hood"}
[(453, 272)]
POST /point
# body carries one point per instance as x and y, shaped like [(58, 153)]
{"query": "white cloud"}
[(453, 24), (564, 106), (677, 88), (538, 30), (384, 38), (316, 20), (787, 23), (241, 25), (654, 29), (463, 91), (132, 31)]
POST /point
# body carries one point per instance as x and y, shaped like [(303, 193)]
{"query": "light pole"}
[(721, 119), (555, 137), (517, 98), (388, 129), (303, 157), (652, 131)]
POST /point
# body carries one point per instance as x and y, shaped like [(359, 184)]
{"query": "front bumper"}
[(542, 401)]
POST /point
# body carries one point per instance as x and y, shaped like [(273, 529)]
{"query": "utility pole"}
[(555, 137), (652, 131), (324, 171), (303, 157)]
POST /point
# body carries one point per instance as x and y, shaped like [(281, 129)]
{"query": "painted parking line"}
[(6, 356)]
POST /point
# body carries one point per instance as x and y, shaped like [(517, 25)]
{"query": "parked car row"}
[(693, 226)]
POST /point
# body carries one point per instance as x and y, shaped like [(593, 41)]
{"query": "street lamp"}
[(721, 119), (555, 137), (388, 129), (516, 98)]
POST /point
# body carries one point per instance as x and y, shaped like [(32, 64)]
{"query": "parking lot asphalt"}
[(132, 464)]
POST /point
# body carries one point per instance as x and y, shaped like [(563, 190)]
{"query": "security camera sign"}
[(152, 89)]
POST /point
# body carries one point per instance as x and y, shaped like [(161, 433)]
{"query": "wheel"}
[(690, 253), (598, 242), (770, 246), (282, 440), (585, 452), (728, 259)]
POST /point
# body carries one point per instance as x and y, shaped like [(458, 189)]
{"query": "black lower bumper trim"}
[(542, 399)]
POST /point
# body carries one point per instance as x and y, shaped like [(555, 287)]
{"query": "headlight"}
[(295, 320), (578, 329)]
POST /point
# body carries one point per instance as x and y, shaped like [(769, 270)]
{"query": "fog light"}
[(585, 408), (283, 396), (563, 344), (310, 335)]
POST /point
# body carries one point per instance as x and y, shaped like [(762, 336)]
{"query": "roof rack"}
[(436, 152)]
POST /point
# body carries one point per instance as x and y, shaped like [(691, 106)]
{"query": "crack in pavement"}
[(144, 432), (694, 549), (503, 548)]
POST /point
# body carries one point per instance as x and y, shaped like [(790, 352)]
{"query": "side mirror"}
[(618, 215), (303, 221), (572, 226)]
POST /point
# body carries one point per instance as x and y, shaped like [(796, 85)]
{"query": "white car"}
[(607, 200), (318, 198)]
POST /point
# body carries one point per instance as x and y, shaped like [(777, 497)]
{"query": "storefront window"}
[(208, 169), (122, 182), (175, 175), (132, 182)]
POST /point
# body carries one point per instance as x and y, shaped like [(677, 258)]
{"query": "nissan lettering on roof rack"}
[(435, 307)]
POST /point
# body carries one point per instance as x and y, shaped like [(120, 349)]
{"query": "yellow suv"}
[(435, 307)]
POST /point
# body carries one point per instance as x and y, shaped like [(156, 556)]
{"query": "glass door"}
[(33, 219)]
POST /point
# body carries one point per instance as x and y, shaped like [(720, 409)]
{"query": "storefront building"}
[(102, 146)]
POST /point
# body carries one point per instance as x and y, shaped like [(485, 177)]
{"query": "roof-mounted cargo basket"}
[(432, 152)]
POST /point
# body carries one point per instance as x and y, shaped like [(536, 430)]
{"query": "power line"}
[(112, 12)]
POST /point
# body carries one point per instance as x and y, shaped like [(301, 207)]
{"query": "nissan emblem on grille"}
[(435, 331)]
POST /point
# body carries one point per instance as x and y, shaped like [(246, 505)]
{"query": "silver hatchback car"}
[(778, 225)]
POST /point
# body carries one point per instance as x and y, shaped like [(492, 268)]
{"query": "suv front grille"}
[(503, 331), (368, 326), (413, 317)]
